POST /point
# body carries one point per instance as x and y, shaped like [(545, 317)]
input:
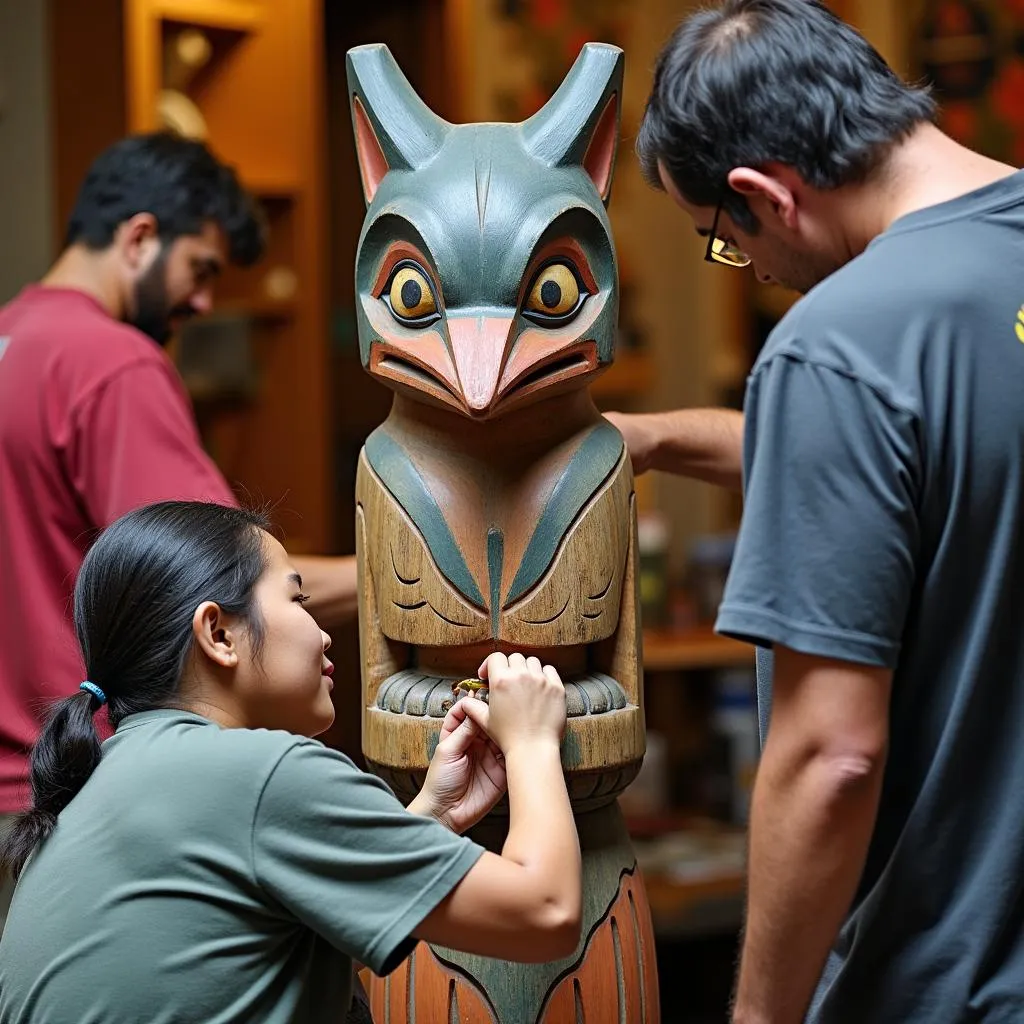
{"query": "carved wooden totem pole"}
[(495, 506)]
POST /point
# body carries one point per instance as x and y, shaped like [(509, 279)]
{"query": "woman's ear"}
[(766, 193), (212, 635)]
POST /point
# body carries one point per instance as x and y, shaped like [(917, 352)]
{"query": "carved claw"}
[(476, 688)]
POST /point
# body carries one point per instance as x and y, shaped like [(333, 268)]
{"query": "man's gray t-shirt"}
[(883, 524), (207, 875)]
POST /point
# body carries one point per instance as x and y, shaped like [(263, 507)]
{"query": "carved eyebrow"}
[(296, 579), (562, 248), (400, 249)]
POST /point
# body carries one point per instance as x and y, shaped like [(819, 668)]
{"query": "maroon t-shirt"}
[(94, 421)]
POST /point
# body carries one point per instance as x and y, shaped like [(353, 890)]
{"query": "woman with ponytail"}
[(210, 861)]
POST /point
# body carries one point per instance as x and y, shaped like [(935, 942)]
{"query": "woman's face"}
[(288, 685)]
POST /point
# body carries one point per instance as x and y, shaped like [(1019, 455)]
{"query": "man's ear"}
[(766, 192), (138, 238), (212, 635)]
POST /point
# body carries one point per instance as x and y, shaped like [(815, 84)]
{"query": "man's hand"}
[(640, 436), (705, 444)]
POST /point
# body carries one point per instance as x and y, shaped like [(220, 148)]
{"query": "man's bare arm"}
[(332, 585), (705, 444), (813, 812)]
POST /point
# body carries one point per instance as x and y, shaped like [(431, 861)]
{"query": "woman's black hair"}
[(135, 598)]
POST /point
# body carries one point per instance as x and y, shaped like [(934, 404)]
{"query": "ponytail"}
[(65, 755), (135, 596)]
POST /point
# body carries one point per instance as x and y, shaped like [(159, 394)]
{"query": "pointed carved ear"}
[(394, 128), (580, 123)]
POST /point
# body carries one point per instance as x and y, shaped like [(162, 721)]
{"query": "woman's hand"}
[(526, 701), (466, 777)]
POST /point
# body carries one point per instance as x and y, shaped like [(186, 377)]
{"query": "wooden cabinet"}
[(693, 866), (257, 95), (696, 648)]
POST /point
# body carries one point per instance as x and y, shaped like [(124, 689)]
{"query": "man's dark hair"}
[(178, 181), (755, 81)]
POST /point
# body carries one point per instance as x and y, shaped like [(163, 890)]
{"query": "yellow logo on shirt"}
[(1019, 325)]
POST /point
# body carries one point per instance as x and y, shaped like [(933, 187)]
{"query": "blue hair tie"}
[(94, 690)]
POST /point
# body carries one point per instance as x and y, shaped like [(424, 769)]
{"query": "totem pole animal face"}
[(485, 274)]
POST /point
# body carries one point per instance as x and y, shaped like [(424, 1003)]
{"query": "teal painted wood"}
[(400, 476), (558, 134), (411, 134), (412, 691), (517, 992), (479, 200), (408, 131), (495, 567), (591, 464)]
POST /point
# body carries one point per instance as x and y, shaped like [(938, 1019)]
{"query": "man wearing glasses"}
[(881, 553)]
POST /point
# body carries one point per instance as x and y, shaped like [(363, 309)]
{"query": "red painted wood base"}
[(614, 982)]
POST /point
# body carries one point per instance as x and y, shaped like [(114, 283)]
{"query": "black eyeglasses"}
[(720, 250)]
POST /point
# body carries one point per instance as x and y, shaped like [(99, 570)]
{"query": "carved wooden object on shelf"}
[(495, 507)]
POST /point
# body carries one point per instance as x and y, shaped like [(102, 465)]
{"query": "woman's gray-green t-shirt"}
[(214, 875)]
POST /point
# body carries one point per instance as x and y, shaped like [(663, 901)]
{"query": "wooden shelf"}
[(694, 872), (232, 15), (695, 648), (631, 374), (260, 95), (681, 908)]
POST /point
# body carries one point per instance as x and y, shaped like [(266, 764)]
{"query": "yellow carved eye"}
[(410, 295), (555, 292)]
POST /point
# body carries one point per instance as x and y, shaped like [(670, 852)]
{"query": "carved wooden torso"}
[(464, 579), (531, 555)]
